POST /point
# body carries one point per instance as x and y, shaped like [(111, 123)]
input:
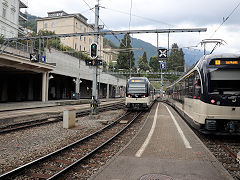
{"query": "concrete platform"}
[(15, 112), (167, 153), (10, 106)]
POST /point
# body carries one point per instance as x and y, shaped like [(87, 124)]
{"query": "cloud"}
[(153, 14)]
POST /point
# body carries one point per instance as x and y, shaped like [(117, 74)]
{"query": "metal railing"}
[(16, 48)]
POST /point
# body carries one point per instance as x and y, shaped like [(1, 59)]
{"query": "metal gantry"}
[(102, 33), (157, 73)]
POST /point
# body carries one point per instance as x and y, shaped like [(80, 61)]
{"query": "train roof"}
[(223, 55), (207, 59)]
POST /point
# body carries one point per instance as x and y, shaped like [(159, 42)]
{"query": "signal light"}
[(93, 50)]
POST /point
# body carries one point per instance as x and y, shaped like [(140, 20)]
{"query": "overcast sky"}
[(158, 14)]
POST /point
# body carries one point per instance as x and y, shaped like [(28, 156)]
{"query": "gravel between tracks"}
[(18, 148)]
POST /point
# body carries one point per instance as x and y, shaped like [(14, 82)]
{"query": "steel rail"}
[(60, 173), (24, 167)]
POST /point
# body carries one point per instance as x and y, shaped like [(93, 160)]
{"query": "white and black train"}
[(140, 93), (208, 95)]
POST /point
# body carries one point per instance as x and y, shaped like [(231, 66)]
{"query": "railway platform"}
[(165, 149), (14, 112)]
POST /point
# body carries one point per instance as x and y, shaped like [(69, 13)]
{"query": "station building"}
[(58, 78), (11, 16), (61, 22)]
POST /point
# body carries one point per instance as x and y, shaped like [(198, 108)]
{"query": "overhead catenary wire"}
[(146, 18), (104, 24), (224, 20)]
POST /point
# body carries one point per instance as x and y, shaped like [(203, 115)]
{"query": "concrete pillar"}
[(30, 89), (4, 94), (107, 91), (47, 86), (77, 85), (44, 86)]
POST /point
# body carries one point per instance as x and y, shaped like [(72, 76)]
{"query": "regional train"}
[(208, 95), (140, 94)]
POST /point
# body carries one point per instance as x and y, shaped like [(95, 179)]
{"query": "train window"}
[(197, 85), (224, 81)]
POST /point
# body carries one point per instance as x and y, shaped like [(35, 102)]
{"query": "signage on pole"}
[(43, 58), (162, 53), (162, 65), (94, 62), (34, 57)]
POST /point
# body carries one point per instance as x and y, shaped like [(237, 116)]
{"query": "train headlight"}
[(212, 101)]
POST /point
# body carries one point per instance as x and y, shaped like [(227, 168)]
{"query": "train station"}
[(80, 99), (59, 77)]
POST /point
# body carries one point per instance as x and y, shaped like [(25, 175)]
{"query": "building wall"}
[(70, 66), (9, 18), (66, 25)]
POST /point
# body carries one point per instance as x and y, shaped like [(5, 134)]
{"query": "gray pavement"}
[(165, 154)]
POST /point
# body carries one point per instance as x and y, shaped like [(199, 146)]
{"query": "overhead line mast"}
[(94, 102)]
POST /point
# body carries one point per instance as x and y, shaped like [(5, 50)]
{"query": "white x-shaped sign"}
[(33, 57), (162, 53)]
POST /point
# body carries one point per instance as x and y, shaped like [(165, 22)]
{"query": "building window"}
[(12, 16), (90, 41), (12, 34), (76, 24), (84, 39), (80, 27), (80, 38), (45, 25), (53, 24), (75, 46), (80, 48), (4, 12), (85, 30), (13, 2), (84, 49), (3, 31)]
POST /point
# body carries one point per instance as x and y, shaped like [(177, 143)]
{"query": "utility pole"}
[(95, 101), (161, 88)]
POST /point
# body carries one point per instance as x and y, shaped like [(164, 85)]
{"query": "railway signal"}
[(94, 62), (162, 53), (93, 50)]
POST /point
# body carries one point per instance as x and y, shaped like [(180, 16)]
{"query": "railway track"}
[(225, 149), (55, 164), (55, 118)]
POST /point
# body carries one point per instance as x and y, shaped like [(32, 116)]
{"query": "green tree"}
[(143, 63), (125, 59), (176, 59), (154, 64)]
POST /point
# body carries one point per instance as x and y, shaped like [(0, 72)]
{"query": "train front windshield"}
[(224, 81), (137, 87)]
